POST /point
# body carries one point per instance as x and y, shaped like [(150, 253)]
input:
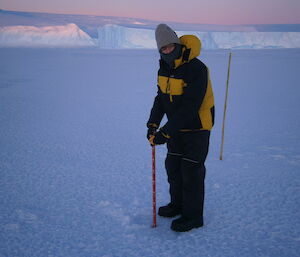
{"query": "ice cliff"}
[(69, 35), (114, 36), (121, 37)]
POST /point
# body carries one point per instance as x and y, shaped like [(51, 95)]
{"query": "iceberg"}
[(115, 36), (69, 35)]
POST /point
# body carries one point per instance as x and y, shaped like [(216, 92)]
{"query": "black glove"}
[(151, 131), (159, 138)]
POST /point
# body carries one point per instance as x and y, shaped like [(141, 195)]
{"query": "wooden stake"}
[(225, 108)]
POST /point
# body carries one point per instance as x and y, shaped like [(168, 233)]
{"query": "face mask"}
[(171, 57)]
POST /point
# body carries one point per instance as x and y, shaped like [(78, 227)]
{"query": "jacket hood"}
[(191, 49)]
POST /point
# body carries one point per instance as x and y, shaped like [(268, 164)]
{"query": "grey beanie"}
[(164, 35)]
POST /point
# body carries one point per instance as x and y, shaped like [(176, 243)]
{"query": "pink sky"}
[(193, 11)]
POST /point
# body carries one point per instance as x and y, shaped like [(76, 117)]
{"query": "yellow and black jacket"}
[(184, 93)]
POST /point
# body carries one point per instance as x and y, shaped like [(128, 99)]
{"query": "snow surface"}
[(114, 36), (75, 166), (69, 35)]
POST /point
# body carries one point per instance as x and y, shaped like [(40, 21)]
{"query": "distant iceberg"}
[(120, 37), (69, 35), (115, 36)]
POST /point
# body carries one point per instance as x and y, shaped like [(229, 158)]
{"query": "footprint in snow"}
[(26, 216), (121, 215)]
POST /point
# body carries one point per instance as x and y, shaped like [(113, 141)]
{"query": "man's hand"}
[(151, 131), (158, 138)]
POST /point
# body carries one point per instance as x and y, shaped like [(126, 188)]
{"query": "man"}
[(185, 96)]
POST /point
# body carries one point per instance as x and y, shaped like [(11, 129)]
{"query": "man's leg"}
[(172, 164), (195, 149), (193, 189)]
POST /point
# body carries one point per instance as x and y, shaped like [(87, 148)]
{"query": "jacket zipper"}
[(169, 89)]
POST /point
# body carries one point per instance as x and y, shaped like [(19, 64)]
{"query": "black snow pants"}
[(186, 172)]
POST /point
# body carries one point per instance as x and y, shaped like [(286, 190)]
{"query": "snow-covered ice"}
[(69, 35), (115, 36), (75, 166), (121, 37)]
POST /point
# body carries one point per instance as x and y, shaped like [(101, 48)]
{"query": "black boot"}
[(169, 211), (183, 224)]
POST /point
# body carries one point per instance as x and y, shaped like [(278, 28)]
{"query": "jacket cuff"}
[(152, 125), (164, 134)]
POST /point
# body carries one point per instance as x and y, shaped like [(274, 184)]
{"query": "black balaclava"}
[(171, 57)]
